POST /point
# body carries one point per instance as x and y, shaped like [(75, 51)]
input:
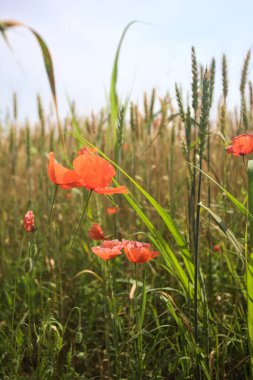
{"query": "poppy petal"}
[(112, 244), (106, 253), (62, 176), (95, 171)]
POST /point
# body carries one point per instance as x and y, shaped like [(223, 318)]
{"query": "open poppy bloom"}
[(90, 171), (62, 176), (138, 252), (29, 221), (112, 244), (96, 232), (241, 145), (106, 253), (96, 174)]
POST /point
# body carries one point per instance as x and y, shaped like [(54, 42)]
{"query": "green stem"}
[(139, 338), (112, 313), (51, 209), (78, 227), (196, 257), (15, 291)]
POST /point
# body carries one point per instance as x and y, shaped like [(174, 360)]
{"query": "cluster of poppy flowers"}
[(90, 171), (136, 252)]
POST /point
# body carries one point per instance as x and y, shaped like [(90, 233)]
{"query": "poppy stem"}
[(15, 290), (138, 334), (78, 227), (51, 209), (113, 315)]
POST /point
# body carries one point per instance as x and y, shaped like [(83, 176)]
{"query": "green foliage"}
[(67, 315)]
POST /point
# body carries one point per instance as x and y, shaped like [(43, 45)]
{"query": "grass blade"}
[(5, 25), (247, 213), (113, 89)]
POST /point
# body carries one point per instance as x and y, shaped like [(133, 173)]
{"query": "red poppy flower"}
[(241, 145), (96, 174), (29, 221), (111, 210), (112, 244), (216, 248), (96, 232), (62, 176), (106, 253), (138, 252)]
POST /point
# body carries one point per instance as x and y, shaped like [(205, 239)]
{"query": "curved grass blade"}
[(247, 213), (229, 234), (4, 26), (113, 90)]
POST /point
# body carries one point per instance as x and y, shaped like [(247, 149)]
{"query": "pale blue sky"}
[(83, 35)]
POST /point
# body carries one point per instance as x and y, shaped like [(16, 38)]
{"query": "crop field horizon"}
[(126, 235)]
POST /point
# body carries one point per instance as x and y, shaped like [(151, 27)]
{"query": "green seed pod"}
[(79, 337), (28, 266)]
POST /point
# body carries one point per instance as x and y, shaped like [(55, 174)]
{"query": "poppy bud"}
[(29, 221), (96, 232), (216, 248)]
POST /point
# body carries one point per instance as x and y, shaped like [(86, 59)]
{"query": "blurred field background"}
[(72, 316)]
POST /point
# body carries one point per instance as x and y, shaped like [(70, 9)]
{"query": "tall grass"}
[(66, 315)]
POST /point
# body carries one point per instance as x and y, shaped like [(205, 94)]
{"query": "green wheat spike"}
[(212, 80), (15, 106), (224, 77), (244, 111), (180, 103), (251, 102), (188, 129), (137, 122), (195, 100), (152, 103), (250, 94), (204, 116), (245, 73), (40, 110), (132, 119), (42, 121), (146, 107), (223, 118), (120, 126)]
